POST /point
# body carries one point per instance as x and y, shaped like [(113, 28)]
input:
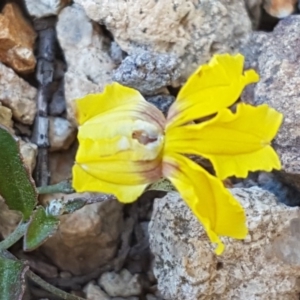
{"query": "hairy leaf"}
[(12, 281), (40, 228), (16, 185)]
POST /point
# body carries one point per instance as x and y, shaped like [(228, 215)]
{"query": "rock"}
[(193, 30), (86, 239), (38, 265), (29, 153), (93, 292), (254, 10), (152, 297), (123, 284), (280, 8), (127, 298), (275, 56), (61, 133), (59, 70), (58, 103), (18, 95), (9, 219), (148, 72), (187, 268), (45, 8), (162, 102), (287, 247), (6, 116), (116, 53), (65, 274), (89, 64), (16, 40), (22, 130), (61, 163)]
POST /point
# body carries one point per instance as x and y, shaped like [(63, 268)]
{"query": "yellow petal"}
[(83, 181), (211, 203), (124, 172), (235, 143), (212, 87), (120, 143), (119, 99)]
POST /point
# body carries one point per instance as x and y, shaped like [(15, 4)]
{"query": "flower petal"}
[(118, 99), (212, 87), (219, 212), (235, 143), (120, 143), (83, 181)]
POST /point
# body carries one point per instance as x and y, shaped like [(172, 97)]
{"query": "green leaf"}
[(16, 185), (12, 279), (40, 228)]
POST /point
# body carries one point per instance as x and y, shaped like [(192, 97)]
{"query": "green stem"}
[(50, 288), (61, 187), (42, 283), (14, 236)]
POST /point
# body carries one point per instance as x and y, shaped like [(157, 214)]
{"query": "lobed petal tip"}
[(220, 248), (250, 76)]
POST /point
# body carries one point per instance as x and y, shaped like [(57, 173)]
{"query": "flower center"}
[(143, 137)]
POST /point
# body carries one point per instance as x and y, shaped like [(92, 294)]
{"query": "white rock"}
[(192, 30), (89, 65), (44, 8), (18, 95), (122, 284), (61, 133), (187, 268), (93, 292)]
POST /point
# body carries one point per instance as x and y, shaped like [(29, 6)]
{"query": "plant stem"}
[(42, 283), (14, 236), (61, 187), (50, 288)]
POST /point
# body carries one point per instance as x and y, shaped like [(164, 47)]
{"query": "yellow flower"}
[(125, 143)]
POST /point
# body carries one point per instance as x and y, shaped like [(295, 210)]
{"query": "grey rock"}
[(122, 284), (58, 103), (147, 71), (116, 53), (191, 30), (162, 102), (275, 56), (44, 8), (287, 247), (59, 70), (127, 298), (254, 10), (61, 133), (285, 193), (186, 267), (89, 66), (93, 292)]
